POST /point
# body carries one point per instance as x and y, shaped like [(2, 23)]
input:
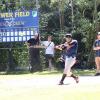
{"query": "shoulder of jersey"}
[(96, 40), (74, 41)]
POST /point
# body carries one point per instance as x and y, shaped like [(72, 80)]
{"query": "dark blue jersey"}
[(72, 51), (97, 44)]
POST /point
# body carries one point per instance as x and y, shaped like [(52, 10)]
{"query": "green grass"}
[(54, 93), (63, 94), (51, 92), (80, 72), (85, 72)]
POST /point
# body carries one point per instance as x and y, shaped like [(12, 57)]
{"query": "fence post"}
[(10, 66)]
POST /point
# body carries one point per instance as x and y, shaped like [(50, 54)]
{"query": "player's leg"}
[(64, 73), (76, 78), (97, 61), (69, 63), (73, 61), (46, 61), (66, 70), (62, 79), (51, 66)]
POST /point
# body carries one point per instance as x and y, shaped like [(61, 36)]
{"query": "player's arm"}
[(60, 47), (68, 45), (95, 47), (42, 44), (73, 44)]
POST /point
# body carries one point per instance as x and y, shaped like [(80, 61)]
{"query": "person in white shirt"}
[(49, 52)]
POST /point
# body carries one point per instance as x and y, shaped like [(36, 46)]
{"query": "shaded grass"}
[(85, 72), (80, 72)]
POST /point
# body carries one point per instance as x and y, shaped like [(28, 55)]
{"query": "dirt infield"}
[(37, 87)]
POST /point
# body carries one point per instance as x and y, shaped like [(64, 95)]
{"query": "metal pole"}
[(72, 15), (37, 4), (61, 14), (95, 14)]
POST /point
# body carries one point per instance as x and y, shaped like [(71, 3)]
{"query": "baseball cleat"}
[(61, 83), (77, 79), (97, 74)]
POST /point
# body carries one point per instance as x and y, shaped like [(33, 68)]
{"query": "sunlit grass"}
[(24, 91), (50, 93)]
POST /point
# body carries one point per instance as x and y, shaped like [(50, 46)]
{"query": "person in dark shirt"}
[(70, 53), (34, 58), (96, 48)]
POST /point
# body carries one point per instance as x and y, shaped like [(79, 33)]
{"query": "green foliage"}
[(3, 59), (27, 4), (56, 19), (21, 57)]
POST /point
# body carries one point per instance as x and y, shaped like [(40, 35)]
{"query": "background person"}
[(96, 48), (49, 52), (34, 58)]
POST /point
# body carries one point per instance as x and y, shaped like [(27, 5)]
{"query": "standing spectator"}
[(96, 48), (70, 57), (49, 52), (34, 58)]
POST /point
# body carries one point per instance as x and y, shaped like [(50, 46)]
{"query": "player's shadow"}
[(64, 84)]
